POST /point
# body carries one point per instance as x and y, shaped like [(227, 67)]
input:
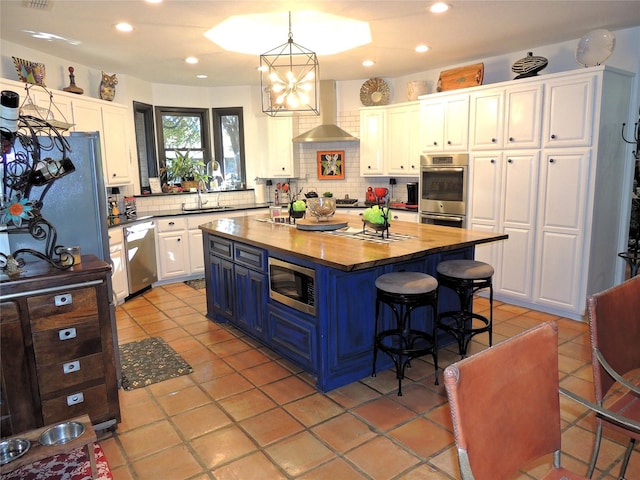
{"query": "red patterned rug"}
[(65, 466)]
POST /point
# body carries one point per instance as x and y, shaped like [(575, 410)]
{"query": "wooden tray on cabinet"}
[(461, 77)]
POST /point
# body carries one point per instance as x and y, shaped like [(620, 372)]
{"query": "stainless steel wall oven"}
[(443, 189)]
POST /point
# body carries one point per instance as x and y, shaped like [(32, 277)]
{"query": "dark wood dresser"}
[(58, 346)]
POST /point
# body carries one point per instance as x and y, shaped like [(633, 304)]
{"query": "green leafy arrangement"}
[(299, 206), (376, 215)]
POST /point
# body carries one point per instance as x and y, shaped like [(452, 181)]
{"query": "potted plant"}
[(187, 170)]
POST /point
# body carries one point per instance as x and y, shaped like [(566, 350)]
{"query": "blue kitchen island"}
[(310, 295)]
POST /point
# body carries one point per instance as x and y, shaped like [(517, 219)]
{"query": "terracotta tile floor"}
[(246, 413)]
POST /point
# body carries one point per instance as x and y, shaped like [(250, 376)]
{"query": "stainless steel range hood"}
[(328, 131)]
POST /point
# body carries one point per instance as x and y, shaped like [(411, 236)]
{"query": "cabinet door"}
[(372, 141), (559, 254), (196, 253), (118, 263), (251, 300), (58, 105), (403, 143), (432, 125), (16, 403), (569, 104), (116, 155), (220, 299), (518, 221), (523, 117), (456, 124), (281, 161), (172, 250), (486, 120)]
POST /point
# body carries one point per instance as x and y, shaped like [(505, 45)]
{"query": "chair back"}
[(504, 404), (614, 326)]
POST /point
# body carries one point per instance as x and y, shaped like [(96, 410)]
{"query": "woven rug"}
[(150, 361), (198, 283)]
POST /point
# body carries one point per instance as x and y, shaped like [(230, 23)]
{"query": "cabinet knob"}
[(435, 143), (171, 224), (283, 169), (114, 175), (511, 139), (448, 142), (413, 167), (510, 160), (553, 137), (493, 140), (369, 167), (179, 239), (67, 333), (493, 160), (401, 167), (551, 160)]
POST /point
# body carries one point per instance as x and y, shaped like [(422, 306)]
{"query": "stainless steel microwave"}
[(292, 285)]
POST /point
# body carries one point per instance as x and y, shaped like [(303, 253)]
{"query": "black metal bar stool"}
[(403, 292), (465, 277)]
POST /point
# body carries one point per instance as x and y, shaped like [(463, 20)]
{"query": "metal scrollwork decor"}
[(34, 156)]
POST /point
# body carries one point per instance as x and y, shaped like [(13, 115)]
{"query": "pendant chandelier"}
[(289, 80)]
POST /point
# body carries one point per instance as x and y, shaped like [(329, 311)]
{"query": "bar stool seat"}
[(465, 277), (403, 292)]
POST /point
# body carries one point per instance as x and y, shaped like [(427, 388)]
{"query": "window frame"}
[(218, 144)]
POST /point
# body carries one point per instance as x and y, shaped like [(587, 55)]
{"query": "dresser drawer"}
[(64, 344), (62, 309), (64, 375), (92, 401)]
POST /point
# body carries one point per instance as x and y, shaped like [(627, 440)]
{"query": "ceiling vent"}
[(328, 131), (37, 4)]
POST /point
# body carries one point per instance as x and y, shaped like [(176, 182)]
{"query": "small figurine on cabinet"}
[(108, 87), (73, 88)]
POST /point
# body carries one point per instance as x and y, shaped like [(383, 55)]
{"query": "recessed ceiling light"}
[(439, 7), (124, 27), (422, 48), (201, 75), (191, 60), (368, 63)]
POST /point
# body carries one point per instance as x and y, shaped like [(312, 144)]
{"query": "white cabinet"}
[(116, 155), (372, 140), (280, 162), (506, 118), (196, 251), (561, 227), (117, 252), (173, 245), (389, 140), (569, 103), (404, 215), (444, 123), (403, 140), (504, 189)]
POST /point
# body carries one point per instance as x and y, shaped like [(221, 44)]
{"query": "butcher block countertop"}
[(347, 252)]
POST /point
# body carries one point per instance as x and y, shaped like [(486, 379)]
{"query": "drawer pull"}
[(62, 300), (75, 399), (67, 333), (71, 367)]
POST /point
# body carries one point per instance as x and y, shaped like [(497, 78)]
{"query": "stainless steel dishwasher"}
[(140, 245)]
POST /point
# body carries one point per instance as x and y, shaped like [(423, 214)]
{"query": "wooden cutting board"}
[(334, 223), (461, 77)]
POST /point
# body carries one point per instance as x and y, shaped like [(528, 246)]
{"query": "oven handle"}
[(442, 169), (449, 218)]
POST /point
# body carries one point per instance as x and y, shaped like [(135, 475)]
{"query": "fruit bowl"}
[(322, 208)]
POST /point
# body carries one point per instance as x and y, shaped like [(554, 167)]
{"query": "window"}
[(145, 143), (228, 141), (182, 131)]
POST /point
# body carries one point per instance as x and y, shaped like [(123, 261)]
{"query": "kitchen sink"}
[(206, 209)]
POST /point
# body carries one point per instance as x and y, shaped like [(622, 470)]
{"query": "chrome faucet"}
[(201, 186)]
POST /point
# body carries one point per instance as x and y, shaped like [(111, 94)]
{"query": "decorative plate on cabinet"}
[(595, 47), (374, 91)]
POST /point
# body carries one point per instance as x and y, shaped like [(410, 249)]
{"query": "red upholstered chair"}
[(505, 406), (614, 324)]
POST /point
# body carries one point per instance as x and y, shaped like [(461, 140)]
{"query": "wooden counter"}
[(334, 343), (345, 253)]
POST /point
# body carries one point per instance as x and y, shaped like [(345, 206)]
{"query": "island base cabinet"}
[(293, 336)]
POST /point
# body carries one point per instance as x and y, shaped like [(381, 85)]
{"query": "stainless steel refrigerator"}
[(76, 203)]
